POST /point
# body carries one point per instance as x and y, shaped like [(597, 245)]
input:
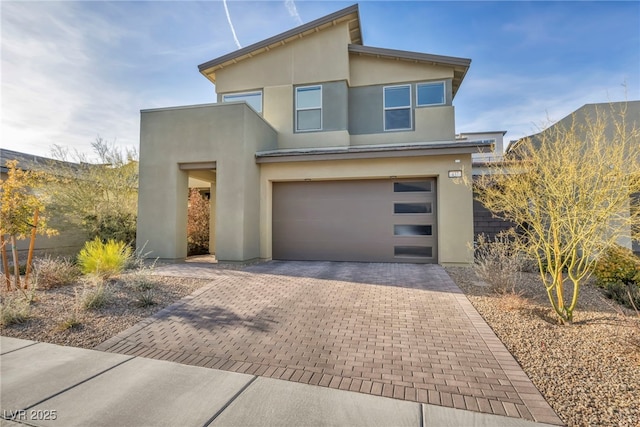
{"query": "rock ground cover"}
[(589, 371), (53, 308)]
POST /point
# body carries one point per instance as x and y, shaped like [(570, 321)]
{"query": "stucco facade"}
[(325, 108)]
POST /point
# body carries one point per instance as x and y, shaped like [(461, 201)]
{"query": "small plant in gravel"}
[(14, 310), (145, 298), (71, 322), (499, 262), (55, 272), (95, 293), (104, 259)]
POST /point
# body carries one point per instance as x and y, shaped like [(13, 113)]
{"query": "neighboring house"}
[(319, 148), (68, 241), (611, 113), (487, 156), (485, 222)]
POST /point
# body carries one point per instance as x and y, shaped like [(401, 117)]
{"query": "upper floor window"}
[(397, 107), (308, 108), (430, 94), (254, 99)]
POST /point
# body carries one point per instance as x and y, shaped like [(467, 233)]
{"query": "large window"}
[(309, 108), (397, 107), (254, 99), (430, 94)]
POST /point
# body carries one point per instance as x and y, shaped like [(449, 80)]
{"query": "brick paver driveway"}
[(399, 330)]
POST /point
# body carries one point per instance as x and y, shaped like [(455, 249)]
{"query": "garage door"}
[(360, 220)]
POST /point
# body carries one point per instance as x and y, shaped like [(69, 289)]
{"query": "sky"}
[(73, 71)]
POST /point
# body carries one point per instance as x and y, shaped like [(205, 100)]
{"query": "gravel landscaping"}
[(589, 371), (52, 309)]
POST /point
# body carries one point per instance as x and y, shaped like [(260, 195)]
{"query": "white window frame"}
[(385, 109), (308, 108), (238, 94), (444, 93)]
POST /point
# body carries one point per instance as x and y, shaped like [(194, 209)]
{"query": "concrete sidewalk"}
[(47, 385)]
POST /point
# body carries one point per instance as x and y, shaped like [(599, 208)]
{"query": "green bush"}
[(104, 259), (113, 226), (55, 272), (618, 273), (617, 265)]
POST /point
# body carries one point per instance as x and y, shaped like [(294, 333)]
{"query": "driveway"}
[(404, 331)]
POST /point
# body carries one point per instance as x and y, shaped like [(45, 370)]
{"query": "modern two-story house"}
[(318, 148)]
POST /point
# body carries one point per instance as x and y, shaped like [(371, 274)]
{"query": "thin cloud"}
[(293, 10), (233, 30)]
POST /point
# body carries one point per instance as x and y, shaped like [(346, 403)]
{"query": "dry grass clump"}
[(14, 310), (55, 272), (95, 293), (513, 302)]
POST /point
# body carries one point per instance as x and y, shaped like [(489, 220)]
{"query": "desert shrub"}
[(95, 293), (617, 265), (104, 259), (120, 226), (14, 310), (71, 322), (198, 214), (627, 295), (55, 272), (145, 298), (499, 262), (143, 287), (617, 271)]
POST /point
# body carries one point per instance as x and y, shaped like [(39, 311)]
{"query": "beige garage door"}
[(363, 220)]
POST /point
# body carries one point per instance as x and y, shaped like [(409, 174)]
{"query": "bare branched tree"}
[(569, 189)]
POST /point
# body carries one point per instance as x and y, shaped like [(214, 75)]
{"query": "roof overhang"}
[(460, 65), (371, 151), (350, 15)]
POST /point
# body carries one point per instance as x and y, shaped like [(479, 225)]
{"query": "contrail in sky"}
[(293, 11), (233, 30)]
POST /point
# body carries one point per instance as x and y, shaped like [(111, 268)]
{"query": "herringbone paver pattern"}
[(397, 330)]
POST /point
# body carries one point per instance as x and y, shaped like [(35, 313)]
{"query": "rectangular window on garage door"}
[(412, 208), (413, 251), (412, 187), (411, 230)]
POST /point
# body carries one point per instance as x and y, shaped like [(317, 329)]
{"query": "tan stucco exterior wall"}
[(367, 70), (320, 57), (432, 124), (228, 134), (454, 204)]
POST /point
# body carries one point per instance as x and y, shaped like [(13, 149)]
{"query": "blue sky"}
[(74, 70)]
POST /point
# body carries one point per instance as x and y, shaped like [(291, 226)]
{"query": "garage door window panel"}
[(412, 208), (413, 251), (412, 230), (412, 187)]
